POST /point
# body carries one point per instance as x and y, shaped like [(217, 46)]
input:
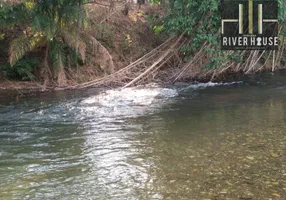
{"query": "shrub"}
[(22, 70)]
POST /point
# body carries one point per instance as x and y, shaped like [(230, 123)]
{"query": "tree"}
[(53, 25), (200, 21)]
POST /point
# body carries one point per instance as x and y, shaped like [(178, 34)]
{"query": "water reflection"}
[(220, 142), (115, 155)]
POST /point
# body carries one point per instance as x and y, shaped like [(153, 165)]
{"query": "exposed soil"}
[(125, 37)]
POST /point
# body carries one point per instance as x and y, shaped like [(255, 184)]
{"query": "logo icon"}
[(249, 25)]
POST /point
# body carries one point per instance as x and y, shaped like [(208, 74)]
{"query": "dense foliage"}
[(199, 20), (24, 70), (53, 25), (55, 28)]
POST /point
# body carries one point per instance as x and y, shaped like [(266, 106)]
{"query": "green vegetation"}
[(24, 69), (66, 34), (199, 20), (52, 25), (186, 17)]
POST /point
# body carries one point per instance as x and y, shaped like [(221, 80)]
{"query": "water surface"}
[(206, 141)]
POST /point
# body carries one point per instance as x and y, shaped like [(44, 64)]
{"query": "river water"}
[(188, 141)]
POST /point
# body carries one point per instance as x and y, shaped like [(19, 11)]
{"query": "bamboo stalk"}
[(273, 61), (155, 63)]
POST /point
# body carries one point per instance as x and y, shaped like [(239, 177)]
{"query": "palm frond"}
[(22, 45), (73, 40), (58, 57), (46, 25), (105, 56), (73, 16), (57, 54), (61, 75)]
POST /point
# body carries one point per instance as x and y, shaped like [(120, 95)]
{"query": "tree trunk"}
[(62, 79)]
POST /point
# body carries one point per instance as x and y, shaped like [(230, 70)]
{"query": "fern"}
[(22, 45)]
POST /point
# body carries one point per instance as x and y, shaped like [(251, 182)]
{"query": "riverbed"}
[(210, 141)]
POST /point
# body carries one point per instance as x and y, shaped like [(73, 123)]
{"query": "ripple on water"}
[(125, 144)]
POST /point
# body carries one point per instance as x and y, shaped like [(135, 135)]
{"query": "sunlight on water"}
[(198, 141), (128, 102)]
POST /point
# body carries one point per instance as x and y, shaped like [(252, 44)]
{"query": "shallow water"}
[(203, 141)]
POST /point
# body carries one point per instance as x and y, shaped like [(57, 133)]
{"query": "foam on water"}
[(208, 84), (130, 96), (143, 96), (130, 102)]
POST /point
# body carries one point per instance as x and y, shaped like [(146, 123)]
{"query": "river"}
[(208, 141)]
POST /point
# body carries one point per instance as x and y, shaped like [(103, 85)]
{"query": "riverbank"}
[(128, 49), (30, 87), (118, 37)]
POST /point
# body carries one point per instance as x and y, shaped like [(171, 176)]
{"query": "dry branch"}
[(155, 63)]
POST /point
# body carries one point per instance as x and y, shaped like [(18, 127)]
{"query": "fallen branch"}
[(125, 69), (155, 63)]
